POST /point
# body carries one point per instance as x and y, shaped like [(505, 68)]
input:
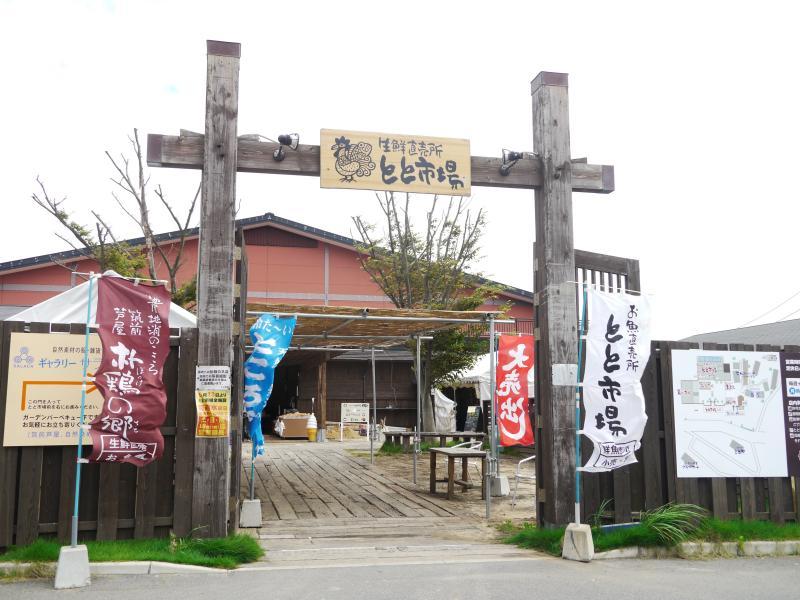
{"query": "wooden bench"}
[(452, 454), (406, 438)]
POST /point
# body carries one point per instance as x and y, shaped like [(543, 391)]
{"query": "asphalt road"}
[(731, 579)]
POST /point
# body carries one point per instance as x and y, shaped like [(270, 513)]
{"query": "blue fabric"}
[(270, 337)]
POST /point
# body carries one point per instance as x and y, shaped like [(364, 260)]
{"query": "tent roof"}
[(337, 327), (70, 307)]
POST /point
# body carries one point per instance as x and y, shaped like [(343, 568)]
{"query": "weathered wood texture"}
[(351, 381), (215, 275), (241, 339), (117, 501), (773, 499), (555, 313), (186, 152)]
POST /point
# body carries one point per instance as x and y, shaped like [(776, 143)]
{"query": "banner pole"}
[(419, 403), (492, 470), (581, 333), (74, 536), (252, 471), (374, 430)]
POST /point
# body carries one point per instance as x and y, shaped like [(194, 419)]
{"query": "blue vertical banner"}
[(270, 337)]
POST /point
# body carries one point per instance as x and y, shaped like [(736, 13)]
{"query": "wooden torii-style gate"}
[(550, 172)]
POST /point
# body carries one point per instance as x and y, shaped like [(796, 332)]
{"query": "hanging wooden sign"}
[(402, 163)]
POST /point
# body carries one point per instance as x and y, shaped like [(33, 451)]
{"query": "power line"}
[(790, 314), (795, 295)]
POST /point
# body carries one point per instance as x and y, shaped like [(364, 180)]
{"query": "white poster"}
[(617, 350), (728, 414), (355, 412)]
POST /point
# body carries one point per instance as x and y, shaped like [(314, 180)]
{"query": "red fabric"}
[(514, 360), (133, 324)]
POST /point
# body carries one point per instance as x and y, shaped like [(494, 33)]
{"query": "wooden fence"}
[(653, 481), (117, 501)]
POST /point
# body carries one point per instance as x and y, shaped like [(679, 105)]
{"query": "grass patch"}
[(223, 553), (390, 449), (714, 530), (666, 526)]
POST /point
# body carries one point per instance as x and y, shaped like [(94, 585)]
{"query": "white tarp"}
[(478, 376), (70, 307), (617, 350), (444, 412)]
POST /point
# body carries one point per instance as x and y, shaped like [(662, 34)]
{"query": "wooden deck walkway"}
[(324, 482)]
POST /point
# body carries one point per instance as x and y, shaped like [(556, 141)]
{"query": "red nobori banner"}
[(133, 324), (514, 360)]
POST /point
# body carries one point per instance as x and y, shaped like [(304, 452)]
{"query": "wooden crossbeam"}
[(186, 152)]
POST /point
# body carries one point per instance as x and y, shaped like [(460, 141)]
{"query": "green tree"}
[(427, 269)]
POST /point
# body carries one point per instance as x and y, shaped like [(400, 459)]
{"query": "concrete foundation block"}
[(251, 513), (578, 543), (759, 548), (499, 486), (72, 570), (787, 548), (136, 567)]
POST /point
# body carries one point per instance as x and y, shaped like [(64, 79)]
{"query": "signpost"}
[(549, 170), (353, 413)]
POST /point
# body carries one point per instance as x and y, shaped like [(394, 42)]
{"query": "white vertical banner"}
[(617, 350)]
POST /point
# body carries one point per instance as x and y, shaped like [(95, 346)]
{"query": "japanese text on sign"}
[(380, 161), (514, 360), (134, 330), (618, 347), (43, 398)]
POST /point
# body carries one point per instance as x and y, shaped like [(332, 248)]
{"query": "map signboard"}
[(790, 379), (729, 414)]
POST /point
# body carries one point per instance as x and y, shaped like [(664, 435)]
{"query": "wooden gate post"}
[(556, 309), (215, 274)]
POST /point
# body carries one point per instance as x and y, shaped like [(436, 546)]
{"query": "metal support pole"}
[(374, 429), (253, 472), (492, 470), (74, 536), (581, 334), (419, 404)]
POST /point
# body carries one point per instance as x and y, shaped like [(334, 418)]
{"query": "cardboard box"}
[(295, 426)]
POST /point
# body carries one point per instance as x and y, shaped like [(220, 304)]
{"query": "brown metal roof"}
[(351, 327)]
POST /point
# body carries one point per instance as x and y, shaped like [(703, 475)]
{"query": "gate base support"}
[(72, 570), (578, 543), (251, 513), (499, 486)]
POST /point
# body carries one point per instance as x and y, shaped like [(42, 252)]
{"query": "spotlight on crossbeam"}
[(288, 140), (510, 158)]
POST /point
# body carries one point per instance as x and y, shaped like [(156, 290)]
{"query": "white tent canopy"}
[(478, 376), (70, 307)]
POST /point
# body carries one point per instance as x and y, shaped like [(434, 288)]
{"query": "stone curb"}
[(706, 550), (145, 567)]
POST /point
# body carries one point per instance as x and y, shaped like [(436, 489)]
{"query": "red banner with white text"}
[(133, 325), (514, 361)]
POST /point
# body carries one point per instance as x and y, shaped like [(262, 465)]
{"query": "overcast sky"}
[(695, 104)]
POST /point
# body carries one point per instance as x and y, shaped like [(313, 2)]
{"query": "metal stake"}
[(419, 404), (490, 472), (581, 334), (374, 429), (74, 536)]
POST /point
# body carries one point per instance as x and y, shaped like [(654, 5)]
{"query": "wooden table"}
[(452, 454), (405, 438)]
